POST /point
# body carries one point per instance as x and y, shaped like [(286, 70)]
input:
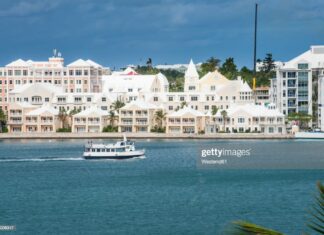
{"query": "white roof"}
[(19, 63), (191, 71), (133, 83), (42, 110), (37, 87), (92, 112), (314, 57), (139, 104), (79, 63), (94, 64), (185, 111), (253, 110)]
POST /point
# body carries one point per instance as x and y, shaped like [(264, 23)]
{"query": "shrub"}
[(67, 129), (110, 128), (158, 129)]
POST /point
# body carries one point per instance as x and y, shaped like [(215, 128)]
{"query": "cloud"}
[(29, 7)]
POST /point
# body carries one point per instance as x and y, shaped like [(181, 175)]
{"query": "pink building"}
[(80, 76)]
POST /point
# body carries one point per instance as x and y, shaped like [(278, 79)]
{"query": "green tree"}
[(63, 117), (3, 121), (149, 62), (214, 110), (246, 74), (112, 118), (160, 116), (224, 116), (229, 68), (268, 64), (210, 65), (74, 111), (118, 104), (183, 104), (302, 118)]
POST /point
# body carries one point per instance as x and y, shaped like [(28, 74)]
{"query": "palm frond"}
[(316, 220), (246, 228)]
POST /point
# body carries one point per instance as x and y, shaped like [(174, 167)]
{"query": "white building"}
[(294, 85), (247, 118), (321, 103)]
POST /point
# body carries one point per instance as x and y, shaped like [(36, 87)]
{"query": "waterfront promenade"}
[(142, 136)]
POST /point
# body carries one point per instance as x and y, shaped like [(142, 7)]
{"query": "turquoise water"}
[(46, 188)]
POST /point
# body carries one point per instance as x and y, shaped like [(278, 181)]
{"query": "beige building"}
[(137, 116), (247, 118), (186, 120), (24, 117), (90, 120)]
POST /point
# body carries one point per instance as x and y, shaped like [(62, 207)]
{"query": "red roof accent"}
[(132, 73)]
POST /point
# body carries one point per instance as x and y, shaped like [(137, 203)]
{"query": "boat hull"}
[(121, 155)]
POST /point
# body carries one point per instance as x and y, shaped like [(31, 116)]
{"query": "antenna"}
[(54, 52)]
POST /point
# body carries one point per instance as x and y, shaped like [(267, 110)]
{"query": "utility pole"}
[(255, 47)]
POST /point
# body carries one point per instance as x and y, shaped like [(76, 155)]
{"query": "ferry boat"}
[(124, 149), (309, 135)]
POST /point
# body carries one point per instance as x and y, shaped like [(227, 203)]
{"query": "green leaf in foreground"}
[(246, 228)]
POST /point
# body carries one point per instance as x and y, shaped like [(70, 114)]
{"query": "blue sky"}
[(119, 32)]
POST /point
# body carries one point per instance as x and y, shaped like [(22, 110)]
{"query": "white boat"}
[(309, 135), (120, 150)]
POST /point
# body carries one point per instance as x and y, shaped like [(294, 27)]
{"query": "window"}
[(170, 98), (192, 88), (77, 99), (9, 72), (36, 99), (240, 120), (170, 107), (291, 74), (303, 66), (46, 99), (86, 72), (78, 82), (71, 72), (130, 90), (156, 99), (194, 98), (182, 98), (212, 88), (88, 99), (78, 72), (206, 107)]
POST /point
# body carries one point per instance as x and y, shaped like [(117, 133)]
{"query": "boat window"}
[(98, 150), (93, 150)]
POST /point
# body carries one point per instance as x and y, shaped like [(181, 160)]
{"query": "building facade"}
[(294, 89), (80, 76), (192, 111)]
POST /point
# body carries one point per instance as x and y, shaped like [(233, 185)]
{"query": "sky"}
[(116, 33)]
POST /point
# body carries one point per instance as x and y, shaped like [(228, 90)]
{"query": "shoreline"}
[(8, 136)]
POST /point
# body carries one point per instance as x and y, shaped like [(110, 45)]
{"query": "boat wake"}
[(41, 159)]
